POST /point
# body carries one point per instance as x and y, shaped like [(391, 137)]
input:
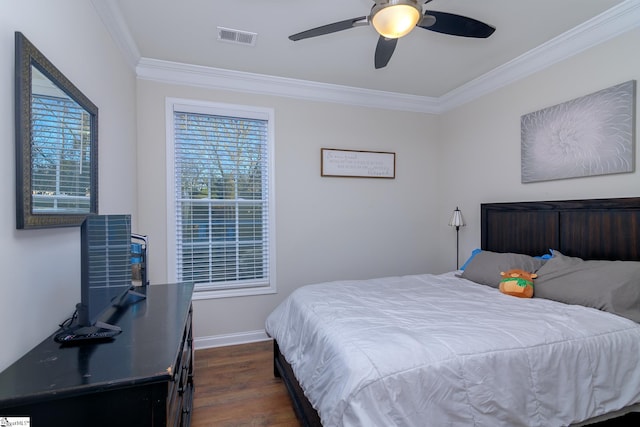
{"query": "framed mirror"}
[(56, 144)]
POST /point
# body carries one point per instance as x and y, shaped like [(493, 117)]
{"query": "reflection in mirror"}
[(60, 150), (56, 144)]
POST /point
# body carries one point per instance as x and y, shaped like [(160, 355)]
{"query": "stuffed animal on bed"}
[(518, 283)]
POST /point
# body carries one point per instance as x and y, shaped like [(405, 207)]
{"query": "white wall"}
[(326, 228), (40, 281), (481, 140)]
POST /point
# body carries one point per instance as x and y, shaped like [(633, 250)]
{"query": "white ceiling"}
[(425, 63)]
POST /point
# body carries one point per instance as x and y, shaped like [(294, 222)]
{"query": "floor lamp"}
[(457, 221)]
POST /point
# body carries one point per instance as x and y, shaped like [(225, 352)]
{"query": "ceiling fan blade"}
[(456, 25), (330, 28), (384, 50), (426, 21)]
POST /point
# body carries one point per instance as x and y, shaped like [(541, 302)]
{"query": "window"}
[(220, 198)]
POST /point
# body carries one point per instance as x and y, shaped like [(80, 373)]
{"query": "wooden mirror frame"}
[(26, 57)]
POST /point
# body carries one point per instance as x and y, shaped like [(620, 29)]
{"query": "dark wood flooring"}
[(235, 386)]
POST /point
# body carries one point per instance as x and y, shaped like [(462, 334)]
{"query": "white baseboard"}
[(230, 339)]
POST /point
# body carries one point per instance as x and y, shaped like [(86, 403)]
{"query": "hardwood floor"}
[(235, 386)]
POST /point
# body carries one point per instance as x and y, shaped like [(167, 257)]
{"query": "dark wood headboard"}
[(590, 229)]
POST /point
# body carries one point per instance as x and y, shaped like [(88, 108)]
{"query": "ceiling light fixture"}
[(395, 18)]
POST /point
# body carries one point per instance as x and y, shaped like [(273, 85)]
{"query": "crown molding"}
[(111, 17), (611, 23), (215, 78)]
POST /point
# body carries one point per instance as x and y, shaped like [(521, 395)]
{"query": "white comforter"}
[(437, 350)]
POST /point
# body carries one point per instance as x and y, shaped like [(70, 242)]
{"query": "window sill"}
[(229, 293)]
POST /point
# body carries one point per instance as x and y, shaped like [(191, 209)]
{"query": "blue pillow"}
[(477, 251), (546, 256), (473, 253)]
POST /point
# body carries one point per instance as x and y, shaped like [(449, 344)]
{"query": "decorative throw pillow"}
[(517, 283)]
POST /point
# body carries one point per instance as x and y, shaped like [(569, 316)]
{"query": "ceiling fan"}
[(393, 19)]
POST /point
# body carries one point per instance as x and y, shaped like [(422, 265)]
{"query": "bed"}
[(450, 350)]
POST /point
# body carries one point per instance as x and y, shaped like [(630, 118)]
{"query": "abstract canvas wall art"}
[(590, 135)]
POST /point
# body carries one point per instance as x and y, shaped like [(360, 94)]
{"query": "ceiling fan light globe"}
[(395, 19)]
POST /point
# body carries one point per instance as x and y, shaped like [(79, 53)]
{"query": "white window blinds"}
[(61, 171), (221, 193)]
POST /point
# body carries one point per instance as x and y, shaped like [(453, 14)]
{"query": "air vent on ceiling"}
[(236, 36)]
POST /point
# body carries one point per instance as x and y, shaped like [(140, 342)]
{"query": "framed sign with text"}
[(357, 163)]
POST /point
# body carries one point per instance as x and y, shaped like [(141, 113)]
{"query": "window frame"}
[(232, 110)]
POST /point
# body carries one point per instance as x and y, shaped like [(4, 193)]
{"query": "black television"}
[(105, 251)]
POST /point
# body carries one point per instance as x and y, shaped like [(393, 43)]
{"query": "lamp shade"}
[(456, 219), (396, 18)]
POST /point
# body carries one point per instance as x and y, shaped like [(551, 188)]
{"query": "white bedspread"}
[(437, 350)]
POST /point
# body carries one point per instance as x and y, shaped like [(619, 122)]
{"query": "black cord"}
[(67, 323)]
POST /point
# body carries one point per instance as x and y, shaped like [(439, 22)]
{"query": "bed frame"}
[(590, 229)]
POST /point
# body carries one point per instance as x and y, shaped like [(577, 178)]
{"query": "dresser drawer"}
[(180, 396)]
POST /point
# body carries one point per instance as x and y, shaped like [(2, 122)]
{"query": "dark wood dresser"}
[(144, 377)]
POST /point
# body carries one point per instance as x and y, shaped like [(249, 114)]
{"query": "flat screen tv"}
[(105, 251)]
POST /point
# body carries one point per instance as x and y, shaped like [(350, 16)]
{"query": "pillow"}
[(473, 254), (546, 256), (485, 267), (612, 286)]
